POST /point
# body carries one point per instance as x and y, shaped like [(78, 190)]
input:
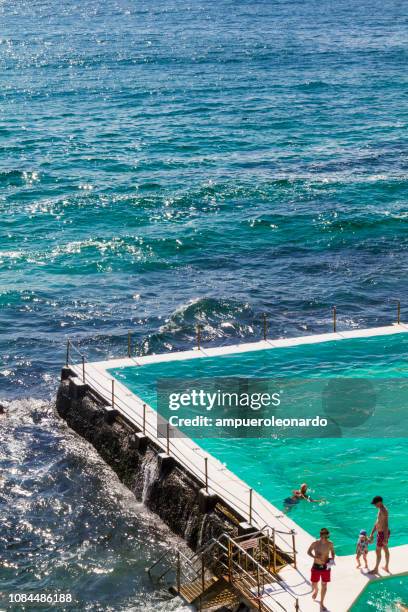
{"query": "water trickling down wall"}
[(168, 490)]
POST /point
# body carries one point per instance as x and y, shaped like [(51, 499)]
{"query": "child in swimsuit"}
[(362, 548)]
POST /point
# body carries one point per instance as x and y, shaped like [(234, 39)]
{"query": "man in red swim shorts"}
[(383, 534), (322, 553)]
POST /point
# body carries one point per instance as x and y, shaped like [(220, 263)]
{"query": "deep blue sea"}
[(165, 164)]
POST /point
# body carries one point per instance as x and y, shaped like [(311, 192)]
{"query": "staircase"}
[(228, 571)]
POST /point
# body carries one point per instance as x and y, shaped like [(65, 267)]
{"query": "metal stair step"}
[(221, 595), (191, 591)]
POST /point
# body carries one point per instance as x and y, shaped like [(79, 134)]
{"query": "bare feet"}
[(314, 595), (373, 571), (358, 565), (386, 569)]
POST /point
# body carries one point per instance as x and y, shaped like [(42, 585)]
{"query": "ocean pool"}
[(347, 473)]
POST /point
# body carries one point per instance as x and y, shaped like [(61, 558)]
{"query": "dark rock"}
[(172, 493)]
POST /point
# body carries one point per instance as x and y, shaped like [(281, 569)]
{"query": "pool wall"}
[(110, 422), (164, 486)]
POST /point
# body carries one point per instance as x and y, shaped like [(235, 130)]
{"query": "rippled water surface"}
[(388, 595), (68, 525), (164, 164)]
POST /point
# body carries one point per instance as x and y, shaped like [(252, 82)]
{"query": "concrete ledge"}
[(246, 529), (66, 373), (77, 389), (110, 414), (165, 462), (140, 441), (206, 501)]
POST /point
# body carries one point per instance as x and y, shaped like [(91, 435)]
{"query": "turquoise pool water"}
[(347, 473), (384, 596)]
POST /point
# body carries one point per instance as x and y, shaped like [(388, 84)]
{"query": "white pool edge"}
[(347, 585)]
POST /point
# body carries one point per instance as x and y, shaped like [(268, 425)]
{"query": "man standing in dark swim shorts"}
[(322, 552), (383, 534)]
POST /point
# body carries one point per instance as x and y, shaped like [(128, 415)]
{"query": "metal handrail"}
[(180, 456), (227, 546), (163, 556), (134, 417), (180, 555), (252, 559), (253, 534), (186, 560), (264, 571), (152, 432), (125, 406), (250, 579)]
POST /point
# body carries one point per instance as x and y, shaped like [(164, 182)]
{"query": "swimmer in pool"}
[(298, 495)]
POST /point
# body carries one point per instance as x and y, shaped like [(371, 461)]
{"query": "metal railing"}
[(264, 324), (136, 412), (185, 566), (246, 573), (229, 558), (132, 411)]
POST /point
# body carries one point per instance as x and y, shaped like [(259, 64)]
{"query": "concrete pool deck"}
[(348, 582)]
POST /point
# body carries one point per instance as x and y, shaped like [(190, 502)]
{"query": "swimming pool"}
[(383, 596), (347, 473)]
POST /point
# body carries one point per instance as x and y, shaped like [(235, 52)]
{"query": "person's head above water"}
[(377, 501), (303, 487)]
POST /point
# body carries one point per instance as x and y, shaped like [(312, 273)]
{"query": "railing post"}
[(398, 312), (274, 550), (168, 438), (129, 344), (259, 588), (264, 326), (206, 473), (297, 608), (202, 574), (113, 393), (198, 336), (83, 368), (144, 418), (229, 561), (68, 347), (178, 578), (250, 506), (294, 550)]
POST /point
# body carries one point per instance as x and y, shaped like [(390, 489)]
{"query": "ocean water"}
[(69, 527), (346, 472), (164, 164)]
